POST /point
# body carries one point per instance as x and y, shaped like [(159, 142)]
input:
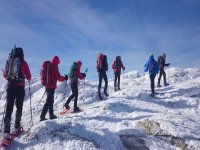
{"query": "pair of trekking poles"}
[(30, 110)]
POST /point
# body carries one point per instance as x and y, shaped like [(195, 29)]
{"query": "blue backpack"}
[(152, 67)]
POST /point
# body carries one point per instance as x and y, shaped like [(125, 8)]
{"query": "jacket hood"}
[(56, 60), (151, 58), (79, 63)]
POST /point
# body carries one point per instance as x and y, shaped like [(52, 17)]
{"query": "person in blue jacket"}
[(152, 67)]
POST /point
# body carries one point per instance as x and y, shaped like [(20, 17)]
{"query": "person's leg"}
[(70, 98), (159, 78), (152, 78), (115, 82), (9, 107), (106, 83), (99, 87), (51, 112), (46, 105), (164, 78), (118, 76), (75, 91), (20, 94)]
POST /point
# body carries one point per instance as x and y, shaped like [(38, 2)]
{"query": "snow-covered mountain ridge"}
[(120, 122)]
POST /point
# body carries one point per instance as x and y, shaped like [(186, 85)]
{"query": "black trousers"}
[(162, 72), (15, 94), (117, 79), (49, 103), (102, 75), (152, 78), (74, 87)]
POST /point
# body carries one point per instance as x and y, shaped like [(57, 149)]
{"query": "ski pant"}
[(49, 103), (74, 87), (152, 78), (102, 75), (15, 94), (117, 79), (162, 72)]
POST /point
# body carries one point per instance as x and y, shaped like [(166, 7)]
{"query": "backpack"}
[(100, 61), (72, 74), (152, 67), (47, 74), (13, 67)]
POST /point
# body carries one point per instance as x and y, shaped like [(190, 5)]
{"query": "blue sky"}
[(80, 29)]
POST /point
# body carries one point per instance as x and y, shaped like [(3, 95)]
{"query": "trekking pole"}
[(65, 92), (123, 80), (84, 78), (84, 82), (3, 116), (30, 105), (43, 95)]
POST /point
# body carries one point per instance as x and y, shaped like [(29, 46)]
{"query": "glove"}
[(83, 74), (168, 64), (124, 68), (66, 77)]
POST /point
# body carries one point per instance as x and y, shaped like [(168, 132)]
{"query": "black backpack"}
[(13, 68), (72, 74)]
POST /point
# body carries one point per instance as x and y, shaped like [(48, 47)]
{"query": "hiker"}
[(15, 72), (102, 67), (117, 65), (162, 65), (152, 67), (53, 76), (74, 75)]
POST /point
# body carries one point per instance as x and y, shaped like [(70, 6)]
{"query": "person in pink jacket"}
[(50, 89), (117, 65)]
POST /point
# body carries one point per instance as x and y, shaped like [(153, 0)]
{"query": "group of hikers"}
[(17, 70)]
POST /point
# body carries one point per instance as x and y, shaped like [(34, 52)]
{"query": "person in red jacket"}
[(117, 65), (15, 88), (74, 75), (50, 89)]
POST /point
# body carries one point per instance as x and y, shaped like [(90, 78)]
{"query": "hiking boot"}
[(42, 119), (100, 98), (119, 88), (115, 89), (66, 106), (76, 109), (166, 84), (53, 117), (159, 85), (106, 94), (6, 136), (18, 130), (152, 95)]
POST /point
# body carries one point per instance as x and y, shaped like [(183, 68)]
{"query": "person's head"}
[(151, 57), (118, 58), (164, 55), (56, 60), (79, 63)]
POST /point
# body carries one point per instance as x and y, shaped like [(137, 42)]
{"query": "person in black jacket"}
[(102, 67), (162, 64)]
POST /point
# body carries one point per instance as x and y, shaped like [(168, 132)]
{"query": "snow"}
[(176, 109)]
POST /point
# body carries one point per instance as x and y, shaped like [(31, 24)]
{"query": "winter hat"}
[(151, 54), (79, 63), (164, 55), (56, 60)]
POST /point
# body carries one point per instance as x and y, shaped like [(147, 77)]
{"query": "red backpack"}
[(47, 74)]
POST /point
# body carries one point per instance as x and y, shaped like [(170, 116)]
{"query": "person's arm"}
[(27, 71), (58, 76), (146, 67), (79, 75)]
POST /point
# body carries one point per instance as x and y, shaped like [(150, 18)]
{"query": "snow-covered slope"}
[(129, 116)]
